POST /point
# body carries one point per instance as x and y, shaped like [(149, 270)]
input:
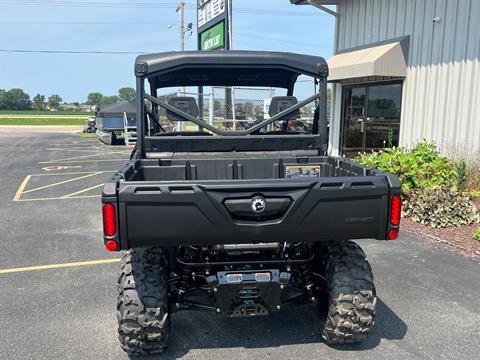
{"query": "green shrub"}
[(439, 208), (476, 234), (419, 168), (462, 175), (473, 177)]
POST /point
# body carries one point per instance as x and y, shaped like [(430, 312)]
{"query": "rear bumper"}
[(153, 213)]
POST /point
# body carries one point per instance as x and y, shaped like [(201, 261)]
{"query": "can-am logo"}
[(258, 204)]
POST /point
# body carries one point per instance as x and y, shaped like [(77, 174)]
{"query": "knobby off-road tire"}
[(352, 297), (142, 307)]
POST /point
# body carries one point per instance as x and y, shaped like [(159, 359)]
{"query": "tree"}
[(127, 94), (39, 102), (239, 111), (15, 99), (54, 101), (94, 98), (107, 100), (2, 99), (329, 94), (258, 112), (248, 109)]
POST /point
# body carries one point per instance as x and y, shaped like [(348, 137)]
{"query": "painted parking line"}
[(92, 160), (74, 194), (58, 266), (74, 172), (73, 150), (22, 190), (61, 167), (83, 157), (96, 151), (93, 153), (62, 182), (61, 198)]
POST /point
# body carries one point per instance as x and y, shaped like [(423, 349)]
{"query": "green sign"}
[(213, 38)]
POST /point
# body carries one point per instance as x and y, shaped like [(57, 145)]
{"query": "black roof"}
[(233, 67), (117, 110)]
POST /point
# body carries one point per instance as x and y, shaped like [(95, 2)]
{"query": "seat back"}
[(281, 103), (187, 104)]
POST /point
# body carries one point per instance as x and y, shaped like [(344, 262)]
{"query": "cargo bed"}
[(205, 198), (239, 166)]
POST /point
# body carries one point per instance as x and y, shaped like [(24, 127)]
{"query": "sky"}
[(132, 26)]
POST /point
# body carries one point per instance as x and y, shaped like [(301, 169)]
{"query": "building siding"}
[(441, 92)]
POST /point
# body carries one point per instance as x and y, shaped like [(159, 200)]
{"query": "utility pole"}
[(181, 26), (229, 22), (230, 91), (181, 12)]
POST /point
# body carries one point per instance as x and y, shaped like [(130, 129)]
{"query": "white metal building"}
[(404, 70)]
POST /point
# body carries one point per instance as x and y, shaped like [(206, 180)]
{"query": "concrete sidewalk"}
[(45, 116), (23, 129)]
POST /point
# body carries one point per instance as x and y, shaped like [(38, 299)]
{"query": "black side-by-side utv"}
[(241, 220)]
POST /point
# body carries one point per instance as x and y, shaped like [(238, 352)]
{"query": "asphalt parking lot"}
[(429, 299)]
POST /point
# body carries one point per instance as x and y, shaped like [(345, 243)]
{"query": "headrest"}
[(281, 103), (187, 104)]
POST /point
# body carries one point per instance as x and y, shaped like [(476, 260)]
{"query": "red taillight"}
[(395, 210), (109, 226), (393, 235), (111, 245)]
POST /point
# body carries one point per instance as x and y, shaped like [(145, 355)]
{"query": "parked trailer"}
[(111, 121)]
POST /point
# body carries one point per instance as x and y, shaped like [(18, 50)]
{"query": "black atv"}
[(242, 222)]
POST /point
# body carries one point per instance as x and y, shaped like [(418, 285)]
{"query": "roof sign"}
[(213, 38), (209, 10)]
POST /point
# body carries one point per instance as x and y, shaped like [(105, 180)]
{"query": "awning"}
[(383, 60)]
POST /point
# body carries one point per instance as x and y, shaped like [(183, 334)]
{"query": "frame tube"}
[(140, 152), (245, 132)]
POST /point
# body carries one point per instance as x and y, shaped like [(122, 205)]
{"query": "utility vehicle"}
[(90, 125), (241, 221)]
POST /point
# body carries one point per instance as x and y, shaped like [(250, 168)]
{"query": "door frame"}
[(366, 85)]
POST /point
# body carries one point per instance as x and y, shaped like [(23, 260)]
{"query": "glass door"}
[(354, 110), (382, 124), (371, 117)]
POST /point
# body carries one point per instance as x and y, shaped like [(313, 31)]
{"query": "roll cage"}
[(228, 68)]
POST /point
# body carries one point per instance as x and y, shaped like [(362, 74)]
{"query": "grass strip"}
[(53, 113), (87, 135)]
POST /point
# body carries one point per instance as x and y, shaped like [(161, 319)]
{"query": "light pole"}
[(181, 27), (181, 30), (181, 13)]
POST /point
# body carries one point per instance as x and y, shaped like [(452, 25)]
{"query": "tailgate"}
[(153, 213)]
